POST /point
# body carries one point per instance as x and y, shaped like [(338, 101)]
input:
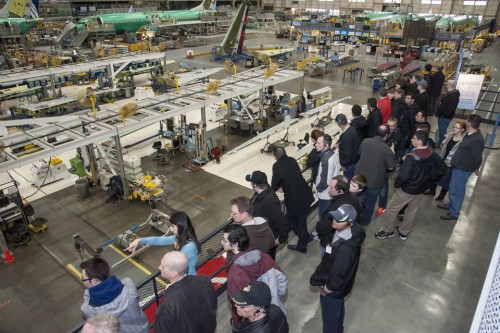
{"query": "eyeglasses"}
[(84, 280)]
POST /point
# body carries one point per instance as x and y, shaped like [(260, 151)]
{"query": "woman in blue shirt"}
[(183, 238)]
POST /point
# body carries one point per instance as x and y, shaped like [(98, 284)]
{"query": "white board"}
[(469, 86)]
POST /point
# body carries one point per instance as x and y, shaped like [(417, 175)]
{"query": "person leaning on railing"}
[(184, 239)]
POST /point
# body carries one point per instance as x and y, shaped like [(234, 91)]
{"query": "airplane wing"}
[(184, 78), (272, 53)]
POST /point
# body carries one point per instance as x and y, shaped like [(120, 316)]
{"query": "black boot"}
[(441, 195)]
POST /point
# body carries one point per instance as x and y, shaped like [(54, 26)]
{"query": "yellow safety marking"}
[(160, 281), (132, 261), (74, 270)]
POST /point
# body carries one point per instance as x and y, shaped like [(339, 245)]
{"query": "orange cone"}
[(8, 257)]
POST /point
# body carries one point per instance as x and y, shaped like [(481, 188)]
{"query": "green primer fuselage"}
[(131, 22)]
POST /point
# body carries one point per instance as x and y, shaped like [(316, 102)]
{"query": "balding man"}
[(190, 303), (104, 322)]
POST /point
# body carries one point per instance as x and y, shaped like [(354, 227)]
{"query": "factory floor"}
[(428, 283)]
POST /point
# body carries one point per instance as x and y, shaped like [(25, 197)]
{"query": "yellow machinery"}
[(478, 45), (147, 188)]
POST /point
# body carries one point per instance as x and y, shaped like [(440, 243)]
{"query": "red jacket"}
[(384, 104), (254, 265)]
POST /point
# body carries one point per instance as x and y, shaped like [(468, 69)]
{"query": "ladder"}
[(78, 40)]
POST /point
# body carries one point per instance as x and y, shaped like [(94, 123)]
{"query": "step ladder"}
[(79, 39)]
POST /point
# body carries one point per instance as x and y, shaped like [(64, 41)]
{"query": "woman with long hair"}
[(448, 148), (184, 239)]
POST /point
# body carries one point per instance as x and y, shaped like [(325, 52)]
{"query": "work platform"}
[(86, 130), (10, 78)]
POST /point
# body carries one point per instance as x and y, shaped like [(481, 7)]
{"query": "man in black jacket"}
[(267, 205), (253, 304), (348, 145), (344, 251), (190, 303), (422, 96), (446, 110), (420, 168), (467, 159), (374, 119), (358, 121), (435, 91), (288, 178), (407, 123), (314, 156), (398, 105), (339, 191)]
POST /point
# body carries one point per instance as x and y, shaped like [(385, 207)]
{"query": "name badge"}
[(328, 249)]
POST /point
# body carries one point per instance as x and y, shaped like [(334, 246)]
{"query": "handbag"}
[(320, 275)]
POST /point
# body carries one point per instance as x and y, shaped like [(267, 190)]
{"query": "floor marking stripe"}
[(132, 261)]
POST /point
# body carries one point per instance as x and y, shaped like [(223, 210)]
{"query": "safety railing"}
[(211, 262)]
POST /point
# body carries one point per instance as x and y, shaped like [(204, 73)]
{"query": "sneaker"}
[(380, 211), (383, 235), (402, 236), (448, 217)]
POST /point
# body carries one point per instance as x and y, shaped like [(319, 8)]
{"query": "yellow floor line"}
[(74, 270), (132, 261)]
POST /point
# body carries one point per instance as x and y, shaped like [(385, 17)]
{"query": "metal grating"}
[(487, 317)]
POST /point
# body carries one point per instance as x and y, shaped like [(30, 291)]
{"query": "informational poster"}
[(380, 51), (469, 86)]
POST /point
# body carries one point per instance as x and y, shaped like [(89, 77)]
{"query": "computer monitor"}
[(359, 33), (336, 32), (338, 25), (351, 33), (352, 26), (344, 32)]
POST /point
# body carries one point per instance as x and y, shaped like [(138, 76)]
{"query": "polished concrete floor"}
[(429, 283)]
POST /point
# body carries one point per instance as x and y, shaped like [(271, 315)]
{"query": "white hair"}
[(104, 323)]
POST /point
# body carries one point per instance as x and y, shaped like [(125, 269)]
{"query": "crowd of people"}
[(350, 177)]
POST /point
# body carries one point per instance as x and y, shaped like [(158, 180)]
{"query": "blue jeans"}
[(332, 312), (384, 193), (443, 124), (322, 207), (297, 222), (349, 170), (457, 190), (370, 201)]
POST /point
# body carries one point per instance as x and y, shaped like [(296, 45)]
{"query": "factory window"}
[(475, 3), (356, 0), (431, 2), (392, 1), (325, 0)]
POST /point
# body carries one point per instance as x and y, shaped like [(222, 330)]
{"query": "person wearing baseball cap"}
[(253, 304), (266, 204), (337, 278)]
